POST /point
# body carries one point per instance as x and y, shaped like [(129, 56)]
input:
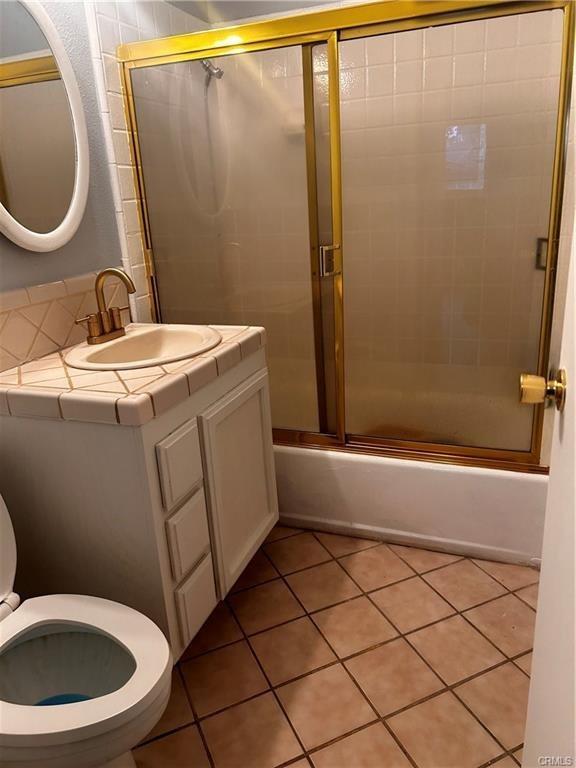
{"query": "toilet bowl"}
[(82, 679)]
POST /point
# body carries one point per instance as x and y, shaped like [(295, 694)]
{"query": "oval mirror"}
[(43, 140)]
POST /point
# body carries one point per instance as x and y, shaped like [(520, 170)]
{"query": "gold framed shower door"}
[(331, 26)]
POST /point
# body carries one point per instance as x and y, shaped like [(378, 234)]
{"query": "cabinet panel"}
[(188, 536), (179, 463), (196, 599), (239, 466)]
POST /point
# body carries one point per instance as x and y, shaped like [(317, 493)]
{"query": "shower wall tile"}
[(113, 23)]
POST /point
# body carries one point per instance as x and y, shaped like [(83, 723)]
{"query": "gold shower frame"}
[(330, 26)]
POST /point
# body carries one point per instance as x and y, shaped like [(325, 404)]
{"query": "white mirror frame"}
[(9, 226)]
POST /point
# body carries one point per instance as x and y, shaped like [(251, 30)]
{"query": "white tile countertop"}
[(48, 388)]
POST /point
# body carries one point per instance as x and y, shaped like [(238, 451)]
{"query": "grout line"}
[(271, 687), (402, 635), (437, 693), (196, 718), (355, 682), (448, 688), (159, 736)]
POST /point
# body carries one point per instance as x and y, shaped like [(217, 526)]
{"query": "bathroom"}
[(243, 519)]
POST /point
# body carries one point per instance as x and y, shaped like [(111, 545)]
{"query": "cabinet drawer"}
[(196, 599), (179, 463), (188, 536)]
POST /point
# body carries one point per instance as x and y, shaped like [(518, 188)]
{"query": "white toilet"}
[(82, 680)]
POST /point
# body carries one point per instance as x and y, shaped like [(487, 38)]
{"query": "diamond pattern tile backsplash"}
[(42, 319)]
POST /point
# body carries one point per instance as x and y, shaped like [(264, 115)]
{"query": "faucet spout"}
[(101, 279), (106, 324)]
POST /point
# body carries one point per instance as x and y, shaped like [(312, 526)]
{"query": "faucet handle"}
[(94, 323), (126, 307), (116, 316)]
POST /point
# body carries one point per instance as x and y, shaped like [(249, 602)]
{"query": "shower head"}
[(212, 69)]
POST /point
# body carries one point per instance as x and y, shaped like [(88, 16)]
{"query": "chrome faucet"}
[(106, 324)]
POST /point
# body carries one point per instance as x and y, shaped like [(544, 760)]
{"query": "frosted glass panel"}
[(224, 162), (447, 151)]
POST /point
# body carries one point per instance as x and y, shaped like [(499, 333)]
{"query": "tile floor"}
[(339, 652)]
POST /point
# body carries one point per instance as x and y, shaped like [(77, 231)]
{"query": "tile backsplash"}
[(41, 319)]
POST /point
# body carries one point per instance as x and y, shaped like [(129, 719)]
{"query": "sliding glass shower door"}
[(448, 138), (226, 158), (380, 187)]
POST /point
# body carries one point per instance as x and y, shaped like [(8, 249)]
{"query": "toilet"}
[(82, 679)]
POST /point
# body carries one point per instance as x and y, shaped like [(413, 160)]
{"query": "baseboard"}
[(394, 536)]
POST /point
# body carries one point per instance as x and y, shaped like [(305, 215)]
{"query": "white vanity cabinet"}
[(163, 516)]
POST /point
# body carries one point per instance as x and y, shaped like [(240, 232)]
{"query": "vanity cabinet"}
[(162, 517)]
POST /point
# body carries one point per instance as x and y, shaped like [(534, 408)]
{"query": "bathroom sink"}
[(144, 345)]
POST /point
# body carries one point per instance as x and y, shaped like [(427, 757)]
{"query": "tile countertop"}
[(48, 388)]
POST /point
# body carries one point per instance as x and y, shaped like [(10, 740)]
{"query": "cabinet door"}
[(239, 469)]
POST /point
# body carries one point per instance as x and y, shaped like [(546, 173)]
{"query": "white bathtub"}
[(481, 512)]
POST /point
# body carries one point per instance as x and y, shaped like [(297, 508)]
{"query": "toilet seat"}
[(67, 723)]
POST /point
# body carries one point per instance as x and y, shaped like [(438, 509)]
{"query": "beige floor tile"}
[(255, 734), (518, 755), (499, 699), (223, 677), (525, 662), (508, 622), (376, 567), (291, 650), (219, 629), (265, 606), (372, 747), (440, 733), (281, 532), (339, 545), (353, 626), (463, 584), (179, 750), (454, 649), (258, 571), (322, 585), (512, 576), (411, 604), (393, 676), (296, 552), (178, 712), (423, 560), (324, 705), (529, 595)]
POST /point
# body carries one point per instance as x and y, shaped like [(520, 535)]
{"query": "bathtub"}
[(486, 513)]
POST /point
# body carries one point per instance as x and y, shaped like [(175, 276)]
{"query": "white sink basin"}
[(144, 345)]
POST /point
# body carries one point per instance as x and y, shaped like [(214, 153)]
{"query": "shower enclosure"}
[(380, 187)]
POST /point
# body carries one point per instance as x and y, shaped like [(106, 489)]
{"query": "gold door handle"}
[(329, 261), (535, 389)]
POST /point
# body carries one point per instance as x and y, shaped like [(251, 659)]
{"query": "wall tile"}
[(13, 299), (44, 325), (108, 33)]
